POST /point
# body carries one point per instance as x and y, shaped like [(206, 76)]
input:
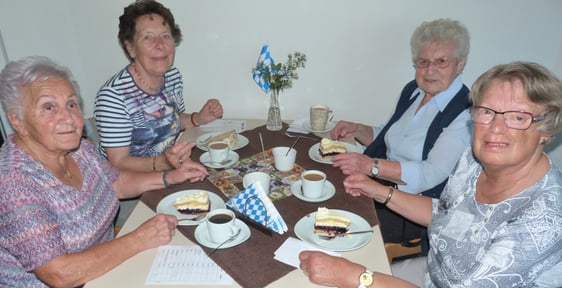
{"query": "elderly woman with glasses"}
[(498, 222), (418, 147)]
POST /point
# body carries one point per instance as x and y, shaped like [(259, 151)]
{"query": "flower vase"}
[(274, 122)]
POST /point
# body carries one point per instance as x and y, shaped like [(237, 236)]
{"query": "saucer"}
[(329, 126), (205, 159), (202, 235), (329, 192)]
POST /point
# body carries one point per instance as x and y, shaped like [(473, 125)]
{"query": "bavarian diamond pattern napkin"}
[(254, 203)]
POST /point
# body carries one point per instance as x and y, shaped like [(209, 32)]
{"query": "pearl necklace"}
[(143, 82)]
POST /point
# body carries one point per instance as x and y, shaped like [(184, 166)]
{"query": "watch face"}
[(366, 279), (375, 170)]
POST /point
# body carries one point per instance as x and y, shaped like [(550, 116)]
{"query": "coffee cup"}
[(284, 158), (221, 225), (218, 151), (259, 178), (319, 115), (313, 183)]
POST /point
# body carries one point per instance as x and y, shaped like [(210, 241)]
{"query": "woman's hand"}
[(323, 269), (344, 130), (360, 184), (178, 153), (210, 111), (157, 231), (188, 171), (351, 163)]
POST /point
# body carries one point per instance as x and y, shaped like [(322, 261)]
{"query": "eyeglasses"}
[(440, 63), (513, 119)]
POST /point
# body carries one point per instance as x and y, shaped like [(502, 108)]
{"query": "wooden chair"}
[(396, 250)]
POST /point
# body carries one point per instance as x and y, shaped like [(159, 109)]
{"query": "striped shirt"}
[(42, 218), (127, 116)]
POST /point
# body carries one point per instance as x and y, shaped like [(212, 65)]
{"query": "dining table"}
[(251, 263)]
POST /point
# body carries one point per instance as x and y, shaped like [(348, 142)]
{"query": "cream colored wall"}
[(358, 50)]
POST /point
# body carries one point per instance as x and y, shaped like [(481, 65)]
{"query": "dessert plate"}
[(202, 236), (205, 159), (304, 229), (329, 127), (314, 154), (329, 192), (166, 205), (202, 140)]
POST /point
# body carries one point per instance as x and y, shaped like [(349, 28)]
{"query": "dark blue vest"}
[(459, 103)]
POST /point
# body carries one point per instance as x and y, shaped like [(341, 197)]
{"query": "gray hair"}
[(541, 85), (17, 75), (441, 30)]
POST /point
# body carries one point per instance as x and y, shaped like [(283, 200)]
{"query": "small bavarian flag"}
[(265, 58)]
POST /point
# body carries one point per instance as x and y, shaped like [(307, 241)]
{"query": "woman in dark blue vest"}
[(417, 149)]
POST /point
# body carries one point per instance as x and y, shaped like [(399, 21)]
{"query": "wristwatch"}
[(375, 169), (366, 279)]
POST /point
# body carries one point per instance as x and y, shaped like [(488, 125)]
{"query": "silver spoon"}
[(324, 237), (220, 163), (225, 241), (194, 219), (301, 136)]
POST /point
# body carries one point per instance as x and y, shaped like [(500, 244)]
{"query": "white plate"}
[(329, 192), (329, 126), (202, 235), (166, 205), (242, 141), (206, 158), (304, 229), (314, 154)]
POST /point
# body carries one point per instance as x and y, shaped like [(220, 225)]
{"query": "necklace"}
[(143, 82), (66, 174)]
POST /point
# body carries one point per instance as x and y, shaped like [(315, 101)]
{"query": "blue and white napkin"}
[(254, 203)]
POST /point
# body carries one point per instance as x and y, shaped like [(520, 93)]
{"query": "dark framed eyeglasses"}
[(440, 63), (519, 120)]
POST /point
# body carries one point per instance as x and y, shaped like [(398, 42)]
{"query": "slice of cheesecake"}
[(330, 223), (193, 203)]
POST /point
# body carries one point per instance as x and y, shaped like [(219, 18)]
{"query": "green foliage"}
[(280, 76)]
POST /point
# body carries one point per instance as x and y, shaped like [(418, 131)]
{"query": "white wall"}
[(358, 50)]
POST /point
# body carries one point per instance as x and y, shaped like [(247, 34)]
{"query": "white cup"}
[(220, 225), (282, 160), (259, 178), (313, 183), (319, 115), (218, 151)]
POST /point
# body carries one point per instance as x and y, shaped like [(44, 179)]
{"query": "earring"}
[(543, 141)]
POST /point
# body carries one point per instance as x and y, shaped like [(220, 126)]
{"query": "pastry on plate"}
[(193, 203), (329, 148), (330, 223), (229, 137)]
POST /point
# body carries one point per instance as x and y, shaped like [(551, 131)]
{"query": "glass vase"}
[(274, 122)]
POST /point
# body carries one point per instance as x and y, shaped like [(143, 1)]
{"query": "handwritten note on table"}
[(185, 265)]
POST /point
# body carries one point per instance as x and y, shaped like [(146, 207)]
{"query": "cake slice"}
[(329, 148), (193, 203), (330, 223), (229, 137)]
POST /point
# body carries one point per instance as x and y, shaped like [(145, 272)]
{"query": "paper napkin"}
[(298, 125), (254, 203), (289, 251)]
